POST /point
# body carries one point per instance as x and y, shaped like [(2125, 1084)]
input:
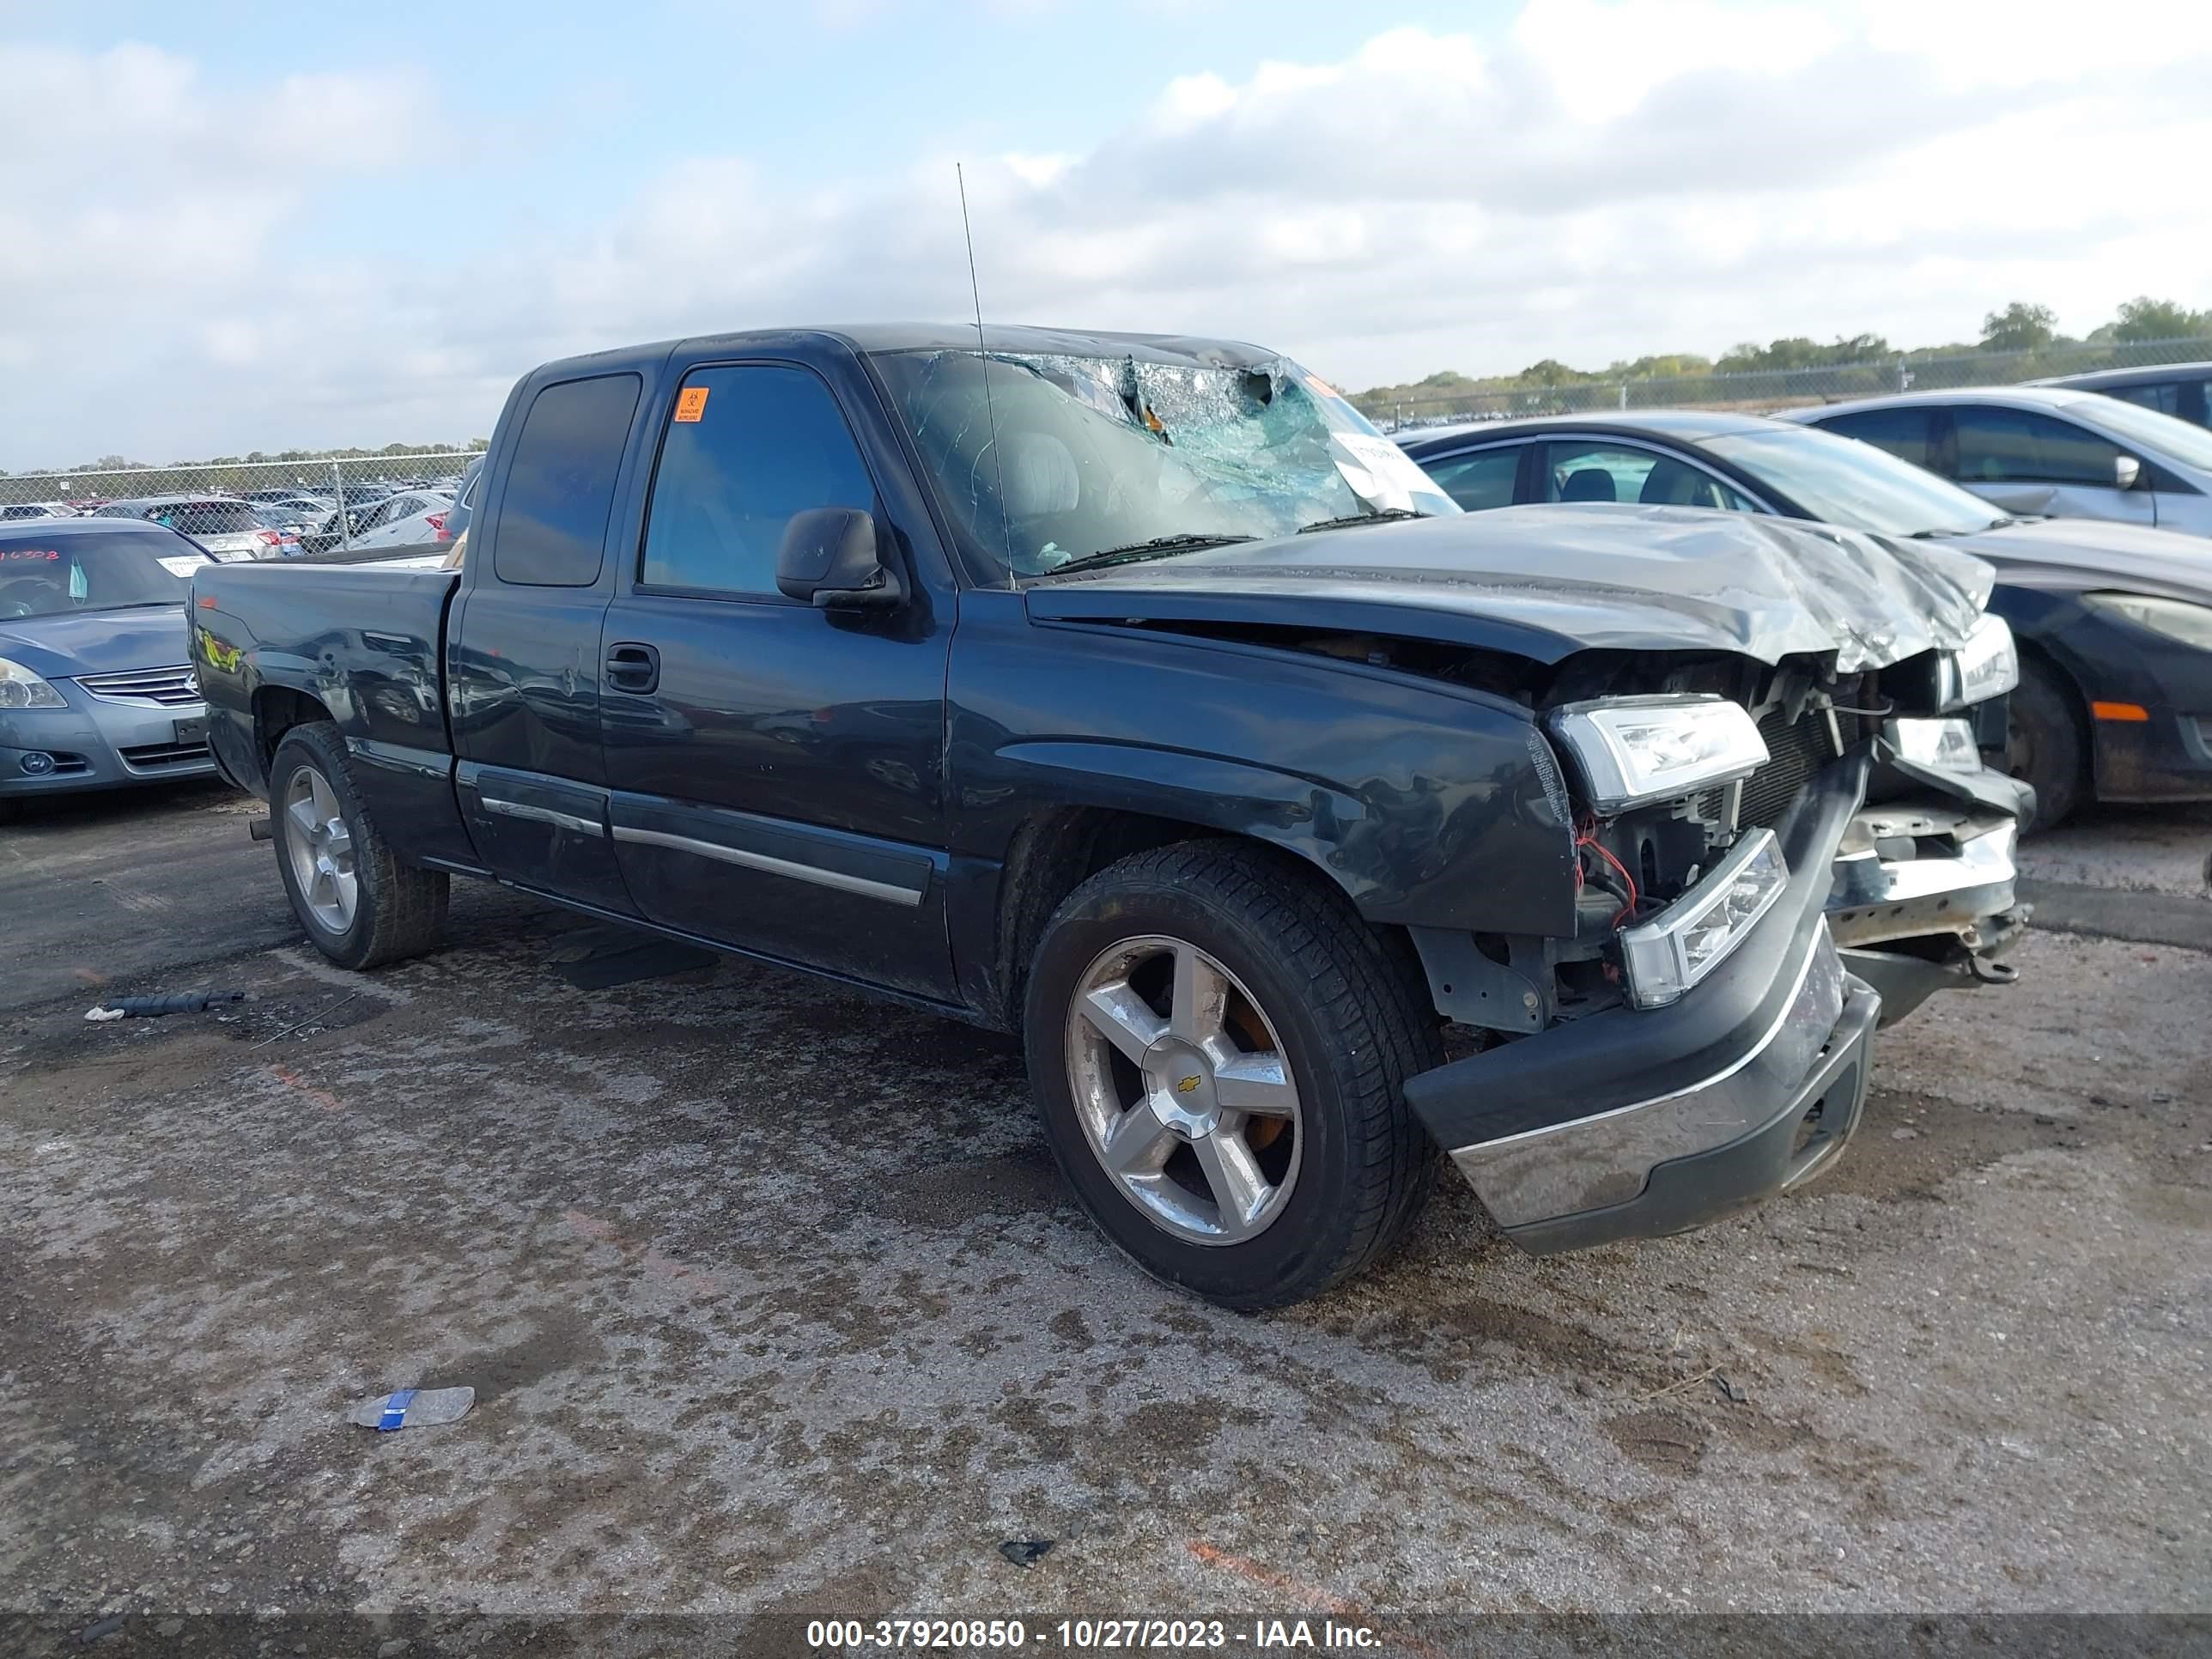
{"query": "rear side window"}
[(747, 447), (1902, 432), (2018, 446), (561, 486), (1484, 479)]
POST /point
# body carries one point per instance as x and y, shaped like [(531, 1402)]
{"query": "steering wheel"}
[(21, 596)]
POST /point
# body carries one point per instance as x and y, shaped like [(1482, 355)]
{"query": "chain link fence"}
[(1760, 392), (388, 502), (261, 509)]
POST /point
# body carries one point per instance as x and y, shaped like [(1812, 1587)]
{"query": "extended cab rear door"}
[(776, 771), (522, 658)]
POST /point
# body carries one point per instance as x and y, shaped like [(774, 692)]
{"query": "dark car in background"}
[(229, 529), (2181, 390), (96, 691), (2114, 621)]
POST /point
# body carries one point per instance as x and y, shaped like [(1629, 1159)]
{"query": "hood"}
[(97, 642), (1544, 582), (2077, 555)]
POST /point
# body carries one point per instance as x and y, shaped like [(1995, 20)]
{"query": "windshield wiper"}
[(1382, 515), (1158, 547), (1938, 535)]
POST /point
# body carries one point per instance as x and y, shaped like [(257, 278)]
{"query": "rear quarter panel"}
[(362, 642)]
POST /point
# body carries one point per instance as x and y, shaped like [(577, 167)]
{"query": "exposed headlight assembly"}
[(1666, 955), (21, 689), (2177, 619), (1987, 666), (1946, 745), (1633, 750)]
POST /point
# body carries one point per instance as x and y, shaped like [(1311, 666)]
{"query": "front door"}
[(776, 771), (2024, 462)]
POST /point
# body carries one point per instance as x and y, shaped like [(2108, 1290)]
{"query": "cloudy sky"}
[(229, 226)]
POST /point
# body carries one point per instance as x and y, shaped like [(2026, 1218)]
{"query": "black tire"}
[(400, 910), (2044, 745), (1348, 1021)]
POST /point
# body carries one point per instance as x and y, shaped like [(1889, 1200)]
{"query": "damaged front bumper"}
[(1922, 899), (1632, 1123)]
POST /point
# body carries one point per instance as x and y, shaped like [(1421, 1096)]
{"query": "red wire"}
[(1591, 842)]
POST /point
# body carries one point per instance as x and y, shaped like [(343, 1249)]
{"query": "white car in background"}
[(11, 511), (415, 518), (2051, 452)]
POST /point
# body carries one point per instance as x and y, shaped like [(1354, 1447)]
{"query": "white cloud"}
[(1602, 180)]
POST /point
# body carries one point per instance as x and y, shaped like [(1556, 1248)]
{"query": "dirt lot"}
[(771, 1299)]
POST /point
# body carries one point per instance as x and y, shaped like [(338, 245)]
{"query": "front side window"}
[(746, 448), (1480, 481), (552, 523), (1045, 460), (2019, 446), (1586, 471)]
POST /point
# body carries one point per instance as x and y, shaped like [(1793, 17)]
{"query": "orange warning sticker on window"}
[(691, 403)]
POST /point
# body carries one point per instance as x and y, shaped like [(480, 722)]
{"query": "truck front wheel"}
[(359, 905), (1218, 1046)]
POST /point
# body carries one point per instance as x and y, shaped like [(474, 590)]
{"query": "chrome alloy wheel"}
[(1184, 1090), (321, 848)]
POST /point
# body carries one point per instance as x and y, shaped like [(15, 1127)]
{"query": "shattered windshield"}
[(1044, 460)]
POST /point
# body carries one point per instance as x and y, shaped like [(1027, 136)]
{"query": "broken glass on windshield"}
[(1046, 459)]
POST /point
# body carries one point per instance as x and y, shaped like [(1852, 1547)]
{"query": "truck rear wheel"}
[(1218, 1046), (361, 906)]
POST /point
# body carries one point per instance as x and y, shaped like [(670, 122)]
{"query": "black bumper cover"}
[(1615, 1060)]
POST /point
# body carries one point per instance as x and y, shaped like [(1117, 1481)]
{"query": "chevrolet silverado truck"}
[(1132, 694)]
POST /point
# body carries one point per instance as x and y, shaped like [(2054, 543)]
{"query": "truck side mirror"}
[(831, 557), (2126, 469)]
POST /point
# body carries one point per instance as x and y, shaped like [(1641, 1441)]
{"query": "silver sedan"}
[(2048, 452)]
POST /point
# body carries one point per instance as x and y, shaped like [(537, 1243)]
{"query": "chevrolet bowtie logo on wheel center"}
[(1185, 1085)]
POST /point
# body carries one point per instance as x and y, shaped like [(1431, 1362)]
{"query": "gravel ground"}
[(771, 1299)]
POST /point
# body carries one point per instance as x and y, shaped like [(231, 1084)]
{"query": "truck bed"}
[(366, 641)]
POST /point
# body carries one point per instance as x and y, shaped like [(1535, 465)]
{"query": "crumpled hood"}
[(2075, 555), (97, 642), (1544, 582)]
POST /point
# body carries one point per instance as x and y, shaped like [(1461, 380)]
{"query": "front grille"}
[(147, 687), (157, 756), (1795, 751)]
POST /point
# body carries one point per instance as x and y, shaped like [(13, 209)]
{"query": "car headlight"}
[(1986, 665), (21, 689), (1631, 750), (1666, 955), (2177, 619), (1948, 746)]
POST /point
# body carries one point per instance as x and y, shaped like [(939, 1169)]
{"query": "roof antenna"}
[(982, 358)]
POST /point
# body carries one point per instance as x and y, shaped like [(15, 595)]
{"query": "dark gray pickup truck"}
[(1132, 693)]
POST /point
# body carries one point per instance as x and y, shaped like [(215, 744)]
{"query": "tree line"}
[(2020, 326)]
